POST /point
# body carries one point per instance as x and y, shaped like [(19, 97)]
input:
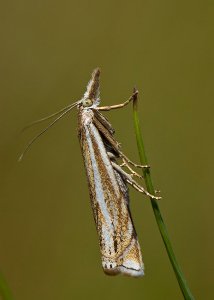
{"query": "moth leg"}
[(115, 145), (128, 178), (124, 157), (104, 121), (107, 135), (105, 127), (106, 108), (133, 173), (124, 164)]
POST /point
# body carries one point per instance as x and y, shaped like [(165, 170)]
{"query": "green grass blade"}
[(161, 225), (5, 293)]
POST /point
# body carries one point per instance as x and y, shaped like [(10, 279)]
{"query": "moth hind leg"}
[(129, 161), (132, 172), (128, 178)]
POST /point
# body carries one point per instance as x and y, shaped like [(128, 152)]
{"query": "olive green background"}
[(48, 243)]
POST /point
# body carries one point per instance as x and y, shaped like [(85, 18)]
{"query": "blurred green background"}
[(48, 243)]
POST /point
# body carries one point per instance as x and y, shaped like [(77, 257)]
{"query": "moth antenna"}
[(44, 130), (46, 118)]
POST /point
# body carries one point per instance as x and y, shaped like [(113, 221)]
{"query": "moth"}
[(108, 181)]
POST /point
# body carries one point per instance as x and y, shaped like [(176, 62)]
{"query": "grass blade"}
[(159, 219)]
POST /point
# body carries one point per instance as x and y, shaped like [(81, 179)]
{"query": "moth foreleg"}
[(121, 105)]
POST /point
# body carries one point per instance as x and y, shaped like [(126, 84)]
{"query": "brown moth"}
[(107, 181)]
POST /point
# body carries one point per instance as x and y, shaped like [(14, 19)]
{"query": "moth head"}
[(87, 102)]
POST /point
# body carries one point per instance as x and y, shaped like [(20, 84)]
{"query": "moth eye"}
[(87, 102)]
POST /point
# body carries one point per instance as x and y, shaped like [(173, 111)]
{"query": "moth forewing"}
[(118, 241)]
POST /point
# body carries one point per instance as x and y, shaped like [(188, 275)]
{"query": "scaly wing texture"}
[(119, 245)]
